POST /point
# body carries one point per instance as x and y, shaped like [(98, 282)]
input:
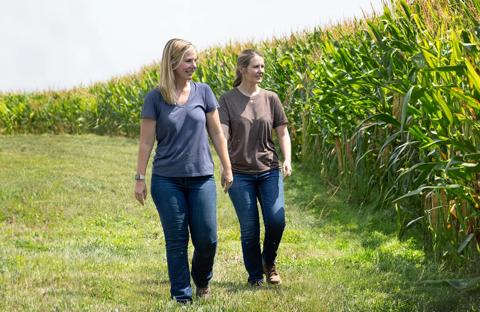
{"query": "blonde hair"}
[(173, 54), (243, 61)]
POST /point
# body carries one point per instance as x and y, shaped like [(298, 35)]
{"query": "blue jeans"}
[(187, 204), (267, 187)]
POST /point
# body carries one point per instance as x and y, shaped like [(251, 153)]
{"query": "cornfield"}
[(386, 106)]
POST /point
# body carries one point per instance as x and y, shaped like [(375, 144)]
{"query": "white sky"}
[(56, 44)]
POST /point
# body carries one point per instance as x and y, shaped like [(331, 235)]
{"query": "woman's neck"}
[(182, 84), (249, 89), (182, 91)]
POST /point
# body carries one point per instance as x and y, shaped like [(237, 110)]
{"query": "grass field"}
[(72, 238)]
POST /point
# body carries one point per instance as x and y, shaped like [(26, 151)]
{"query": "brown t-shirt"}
[(250, 121)]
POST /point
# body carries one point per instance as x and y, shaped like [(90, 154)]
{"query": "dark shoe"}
[(203, 292), (271, 273), (184, 301), (258, 283)]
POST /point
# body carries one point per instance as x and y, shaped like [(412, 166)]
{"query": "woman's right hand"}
[(141, 191)]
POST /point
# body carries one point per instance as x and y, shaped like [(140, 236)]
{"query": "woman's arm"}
[(220, 143), (147, 140), (286, 148)]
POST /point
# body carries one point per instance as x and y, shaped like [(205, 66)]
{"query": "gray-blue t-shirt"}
[(182, 138)]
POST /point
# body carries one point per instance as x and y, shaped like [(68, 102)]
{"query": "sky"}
[(60, 44)]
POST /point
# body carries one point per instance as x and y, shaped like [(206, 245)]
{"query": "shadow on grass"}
[(153, 287), (155, 281), (235, 287)]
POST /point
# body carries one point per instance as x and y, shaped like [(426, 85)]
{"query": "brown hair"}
[(173, 54), (243, 61)]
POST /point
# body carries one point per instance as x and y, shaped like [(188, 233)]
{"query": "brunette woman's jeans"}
[(187, 204), (267, 187)]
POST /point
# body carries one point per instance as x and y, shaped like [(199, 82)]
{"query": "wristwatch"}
[(139, 177)]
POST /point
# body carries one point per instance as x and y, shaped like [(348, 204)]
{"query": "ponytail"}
[(238, 79)]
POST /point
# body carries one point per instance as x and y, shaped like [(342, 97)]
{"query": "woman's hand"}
[(286, 147), (287, 169), (227, 178), (147, 139), (220, 143), (141, 191)]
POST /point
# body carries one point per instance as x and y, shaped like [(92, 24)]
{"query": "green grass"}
[(72, 238)]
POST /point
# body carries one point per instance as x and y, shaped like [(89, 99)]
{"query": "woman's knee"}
[(207, 248), (276, 225), (249, 231), (176, 246)]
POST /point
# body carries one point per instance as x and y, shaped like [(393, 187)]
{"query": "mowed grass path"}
[(72, 238)]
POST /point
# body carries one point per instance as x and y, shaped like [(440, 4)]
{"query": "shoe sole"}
[(274, 283)]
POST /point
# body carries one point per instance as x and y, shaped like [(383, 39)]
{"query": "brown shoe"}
[(203, 292), (271, 273)]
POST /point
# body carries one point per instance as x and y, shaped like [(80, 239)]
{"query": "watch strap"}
[(139, 177)]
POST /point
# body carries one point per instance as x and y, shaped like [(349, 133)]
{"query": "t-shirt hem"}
[(255, 171), (183, 175)]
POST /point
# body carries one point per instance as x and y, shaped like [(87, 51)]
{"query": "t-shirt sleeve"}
[(223, 113), (279, 116), (211, 103), (149, 109)]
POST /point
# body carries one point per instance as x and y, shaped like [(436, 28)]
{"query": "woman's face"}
[(253, 73), (187, 66)]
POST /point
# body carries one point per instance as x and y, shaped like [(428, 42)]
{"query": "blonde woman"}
[(249, 116), (180, 114)]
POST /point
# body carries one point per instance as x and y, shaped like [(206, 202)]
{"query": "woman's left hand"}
[(141, 191), (227, 179), (287, 169)]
